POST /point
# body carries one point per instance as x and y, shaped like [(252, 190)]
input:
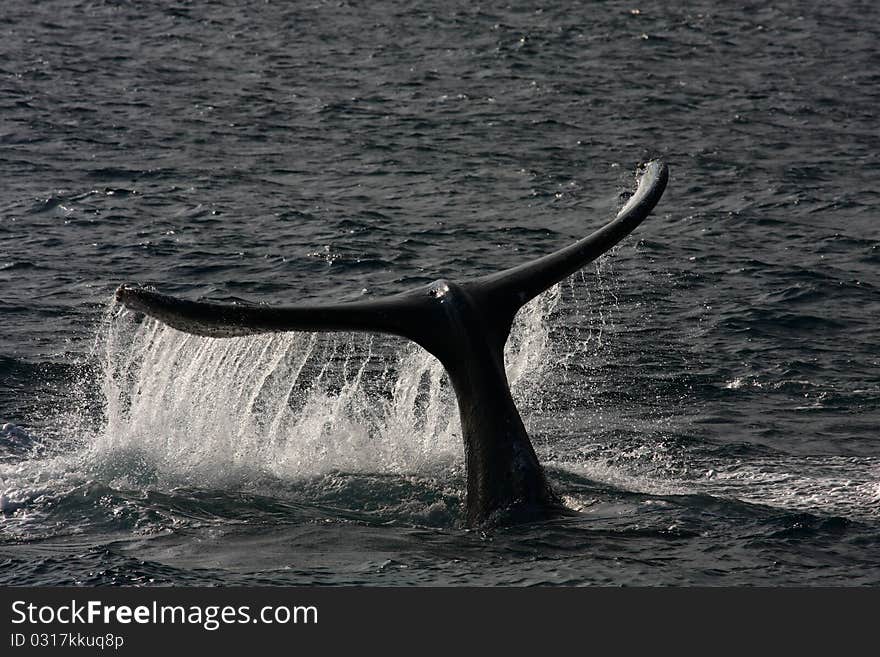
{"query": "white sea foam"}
[(213, 411), (180, 410)]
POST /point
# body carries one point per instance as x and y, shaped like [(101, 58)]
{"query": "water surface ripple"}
[(706, 396)]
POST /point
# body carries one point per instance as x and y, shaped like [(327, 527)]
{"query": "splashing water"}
[(221, 412), (286, 412)]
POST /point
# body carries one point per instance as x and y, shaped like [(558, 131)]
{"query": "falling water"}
[(219, 412)]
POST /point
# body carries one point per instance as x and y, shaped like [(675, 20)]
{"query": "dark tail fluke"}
[(506, 291), (465, 325), (226, 320), (517, 286)]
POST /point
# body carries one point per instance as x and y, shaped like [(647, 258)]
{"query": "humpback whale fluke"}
[(465, 325)]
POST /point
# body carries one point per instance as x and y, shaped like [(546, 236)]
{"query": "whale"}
[(465, 324)]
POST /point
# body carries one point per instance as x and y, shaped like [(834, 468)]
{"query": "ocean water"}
[(705, 396)]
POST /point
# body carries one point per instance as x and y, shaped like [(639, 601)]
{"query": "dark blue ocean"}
[(706, 397)]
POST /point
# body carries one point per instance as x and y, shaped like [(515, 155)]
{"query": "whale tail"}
[(465, 325)]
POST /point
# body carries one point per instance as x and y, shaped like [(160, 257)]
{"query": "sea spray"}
[(219, 412)]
